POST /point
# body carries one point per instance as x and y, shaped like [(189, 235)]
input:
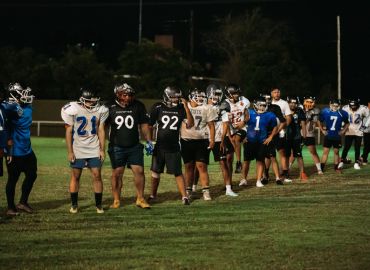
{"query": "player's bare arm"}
[(101, 136), (211, 126), (146, 131), (189, 116), (288, 119), (71, 155), (269, 138), (303, 129), (344, 129)]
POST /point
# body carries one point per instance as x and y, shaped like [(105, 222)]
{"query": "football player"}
[(126, 116), (331, 119), (21, 157), (85, 139), (312, 121), (281, 143), (197, 141), (223, 150), (366, 130), (168, 116), (357, 114), (260, 121), (295, 134), (271, 147), (238, 116)]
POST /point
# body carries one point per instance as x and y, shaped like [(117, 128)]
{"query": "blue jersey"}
[(7, 111), (333, 121), (20, 131), (259, 125)]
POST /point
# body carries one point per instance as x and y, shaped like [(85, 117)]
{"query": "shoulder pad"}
[(225, 106)]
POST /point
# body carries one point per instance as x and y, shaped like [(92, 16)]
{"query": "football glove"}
[(149, 148)]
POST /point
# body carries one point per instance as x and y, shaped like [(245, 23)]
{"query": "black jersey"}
[(275, 109), (168, 122), (124, 121), (293, 131)]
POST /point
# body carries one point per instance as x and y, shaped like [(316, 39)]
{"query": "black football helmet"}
[(334, 104), (172, 96), (233, 92), (89, 100), (260, 105), (124, 94), (267, 98), (354, 104), (214, 93), (293, 102), (198, 96), (20, 95)]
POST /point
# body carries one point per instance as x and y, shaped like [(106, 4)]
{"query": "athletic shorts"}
[(332, 142), (81, 163), (172, 160), (241, 133), (271, 147), (295, 146), (280, 143), (217, 154), (309, 141), (254, 150), (122, 156), (195, 150)]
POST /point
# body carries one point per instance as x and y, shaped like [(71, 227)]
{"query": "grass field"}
[(322, 224)]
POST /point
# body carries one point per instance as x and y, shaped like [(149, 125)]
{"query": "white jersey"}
[(236, 114), (367, 124), (218, 123), (312, 117), (85, 125), (356, 120), (202, 115), (284, 106)]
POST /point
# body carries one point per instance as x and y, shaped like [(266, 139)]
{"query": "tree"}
[(258, 53), (156, 67)]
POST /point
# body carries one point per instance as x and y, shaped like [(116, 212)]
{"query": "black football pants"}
[(366, 149), (347, 145)]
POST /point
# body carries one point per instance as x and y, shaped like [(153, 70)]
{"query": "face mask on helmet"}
[(89, 100), (260, 106), (293, 103), (172, 97), (124, 94), (308, 103), (20, 95), (214, 94), (233, 93), (267, 98), (334, 105), (354, 104), (199, 97)]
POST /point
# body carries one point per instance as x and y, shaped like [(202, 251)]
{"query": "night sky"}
[(48, 26)]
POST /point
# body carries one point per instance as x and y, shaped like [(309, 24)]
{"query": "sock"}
[(74, 198), (98, 199), (290, 165), (318, 166), (322, 166), (285, 173), (194, 187), (228, 188), (205, 189)]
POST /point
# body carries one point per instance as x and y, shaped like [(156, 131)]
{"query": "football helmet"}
[(89, 100), (20, 95), (354, 104), (172, 96), (198, 96), (309, 102), (267, 98), (124, 94), (214, 93), (260, 105), (334, 104), (293, 103), (233, 92)]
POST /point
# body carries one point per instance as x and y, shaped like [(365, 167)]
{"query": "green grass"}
[(323, 224)]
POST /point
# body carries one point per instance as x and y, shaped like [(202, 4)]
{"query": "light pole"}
[(338, 59), (140, 20)]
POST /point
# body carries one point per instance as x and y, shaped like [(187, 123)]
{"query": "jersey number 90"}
[(127, 121)]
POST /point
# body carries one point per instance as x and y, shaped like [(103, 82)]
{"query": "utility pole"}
[(339, 60), (140, 20), (191, 30)]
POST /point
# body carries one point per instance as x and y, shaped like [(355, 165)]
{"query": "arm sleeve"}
[(153, 115)]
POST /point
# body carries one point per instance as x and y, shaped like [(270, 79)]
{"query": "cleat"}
[(347, 161), (238, 167), (152, 198), (207, 196), (116, 204), (340, 165), (364, 162), (356, 166), (185, 201), (304, 177), (320, 172), (231, 193), (338, 171), (99, 210), (142, 203), (189, 194), (25, 208), (264, 181), (73, 209), (12, 212), (279, 182), (259, 183), (287, 180), (243, 182)]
